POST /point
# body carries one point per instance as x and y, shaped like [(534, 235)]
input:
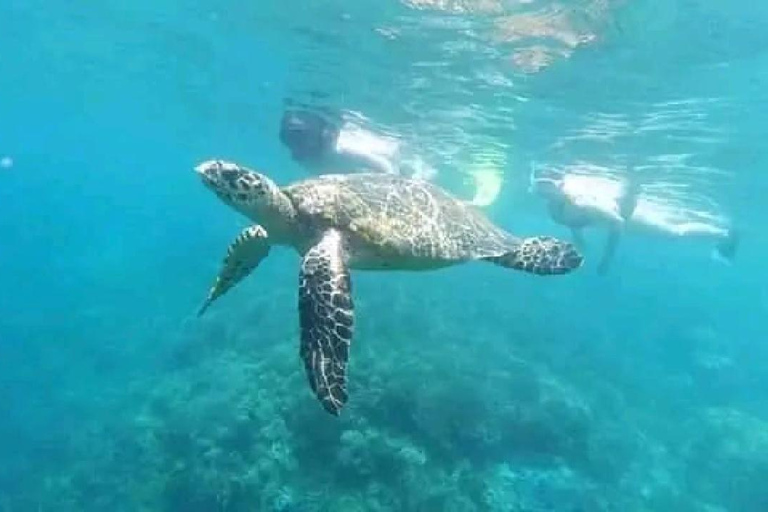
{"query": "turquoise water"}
[(472, 388)]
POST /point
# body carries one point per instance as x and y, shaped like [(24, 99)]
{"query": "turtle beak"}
[(209, 170), (206, 172), (218, 174)]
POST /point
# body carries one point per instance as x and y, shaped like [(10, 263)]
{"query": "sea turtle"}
[(358, 221)]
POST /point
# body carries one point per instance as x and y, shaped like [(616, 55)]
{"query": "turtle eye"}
[(252, 183), (229, 174)]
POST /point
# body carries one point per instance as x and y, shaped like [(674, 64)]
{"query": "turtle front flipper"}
[(326, 316), (540, 255), (243, 255)]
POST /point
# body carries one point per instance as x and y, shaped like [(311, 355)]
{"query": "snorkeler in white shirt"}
[(578, 202), (322, 146)]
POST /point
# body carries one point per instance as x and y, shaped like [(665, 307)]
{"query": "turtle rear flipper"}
[(326, 317), (541, 255), (243, 255)]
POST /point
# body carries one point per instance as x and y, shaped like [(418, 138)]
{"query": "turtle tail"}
[(540, 255)]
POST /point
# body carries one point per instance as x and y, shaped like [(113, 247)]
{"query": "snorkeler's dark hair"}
[(306, 133)]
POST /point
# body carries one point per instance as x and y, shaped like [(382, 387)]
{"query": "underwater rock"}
[(371, 452), (728, 459), (520, 489)]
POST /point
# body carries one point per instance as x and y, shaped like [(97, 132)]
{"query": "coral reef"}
[(226, 423)]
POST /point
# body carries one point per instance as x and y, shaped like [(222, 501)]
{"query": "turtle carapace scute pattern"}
[(339, 223)]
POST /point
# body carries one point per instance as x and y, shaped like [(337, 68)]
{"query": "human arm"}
[(578, 237), (614, 234)]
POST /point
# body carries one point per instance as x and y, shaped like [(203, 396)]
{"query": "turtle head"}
[(252, 194)]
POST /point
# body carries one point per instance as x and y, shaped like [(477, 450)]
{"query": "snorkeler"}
[(321, 145), (577, 206)]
